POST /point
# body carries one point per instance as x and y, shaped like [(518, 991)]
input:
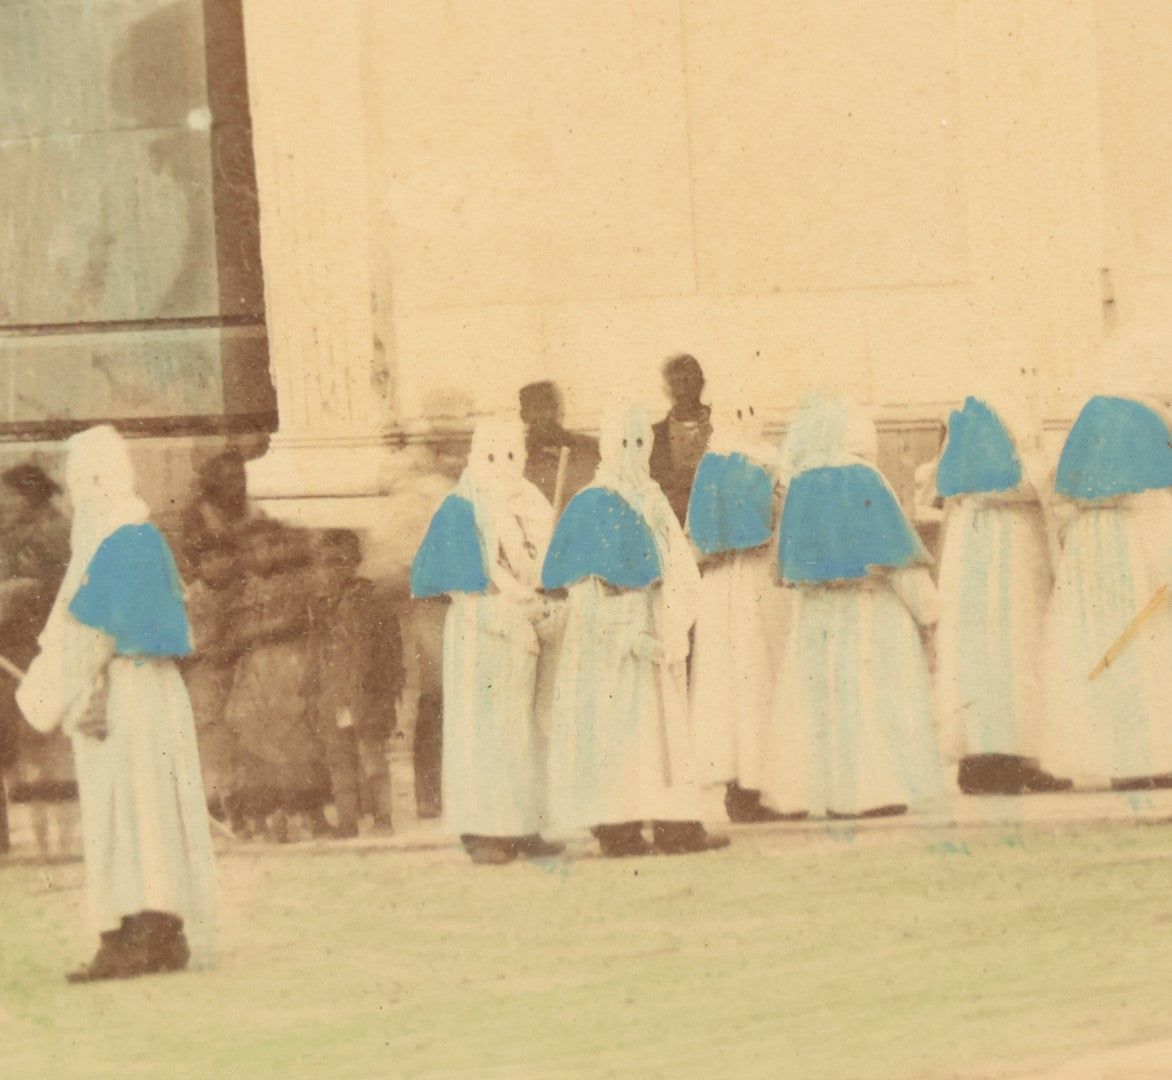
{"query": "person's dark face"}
[(684, 388), (542, 412), (451, 455)]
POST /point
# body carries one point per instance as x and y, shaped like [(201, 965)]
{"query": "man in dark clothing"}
[(218, 515), (34, 550), (545, 441), (680, 438)]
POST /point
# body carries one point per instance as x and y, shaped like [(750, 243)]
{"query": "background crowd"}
[(300, 663)]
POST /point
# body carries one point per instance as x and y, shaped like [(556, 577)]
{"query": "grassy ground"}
[(872, 955)]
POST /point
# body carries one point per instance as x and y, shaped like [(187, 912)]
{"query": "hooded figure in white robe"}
[(735, 653), (1108, 635), (484, 549), (107, 675), (620, 745), (994, 582), (853, 732)]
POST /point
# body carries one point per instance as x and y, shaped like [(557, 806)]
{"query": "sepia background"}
[(353, 225), (334, 232)]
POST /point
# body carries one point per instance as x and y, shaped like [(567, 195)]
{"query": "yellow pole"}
[(1131, 633)]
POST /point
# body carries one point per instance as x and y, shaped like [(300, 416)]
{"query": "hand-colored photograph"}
[(555, 539)]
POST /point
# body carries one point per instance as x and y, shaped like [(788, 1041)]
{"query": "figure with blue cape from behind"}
[(483, 549), (994, 582), (735, 651), (1108, 632), (620, 746), (853, 732), (107, 675)]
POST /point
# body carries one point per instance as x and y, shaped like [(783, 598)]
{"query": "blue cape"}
[(600, 535), (731, 508), (450, 559), (132, 591), (979, 456), (839, 522), (1116, 447)]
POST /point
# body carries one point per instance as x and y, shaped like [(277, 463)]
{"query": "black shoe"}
[(158, 942), (112, 960), (741, 804), (622, 841), (1133, 783), (534, 847), (890, 810), (684, 838), (763, 814), (490, 850), (1042, 782), (994, 774)]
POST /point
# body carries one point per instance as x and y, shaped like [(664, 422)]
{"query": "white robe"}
[(734, 660), (620, 748), (144, 815), (853, 723), (1115, 556), (493, 761), (994, 587), (493, 782)]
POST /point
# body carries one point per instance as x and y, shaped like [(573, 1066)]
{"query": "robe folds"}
[(1116, 555), (483, 549), (144, 816), (620, 748), (853, 726), (994, 582), (493, 777), (994, 587), (1114, 489), (620, 745), (736, 647)]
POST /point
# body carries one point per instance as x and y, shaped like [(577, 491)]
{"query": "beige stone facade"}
[(907, 199)]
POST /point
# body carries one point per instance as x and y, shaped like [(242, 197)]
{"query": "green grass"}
[(789, 955)]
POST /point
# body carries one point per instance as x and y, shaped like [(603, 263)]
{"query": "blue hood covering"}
[(132, 591), (731, 508), (839, 522), (979, 456), (600, 535), (1116, 447), (450, 559)]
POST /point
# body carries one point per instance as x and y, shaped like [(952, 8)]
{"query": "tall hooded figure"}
[(483, 549), (1108, 635), (730, 523), (107, 675), (994, 584), (620, 745), (853, 732)]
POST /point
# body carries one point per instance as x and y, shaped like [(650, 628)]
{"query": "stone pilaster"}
[(327, 301)]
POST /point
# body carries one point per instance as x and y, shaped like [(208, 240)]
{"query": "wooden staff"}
[(559, 487), (1132, 632), (10, 668)]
